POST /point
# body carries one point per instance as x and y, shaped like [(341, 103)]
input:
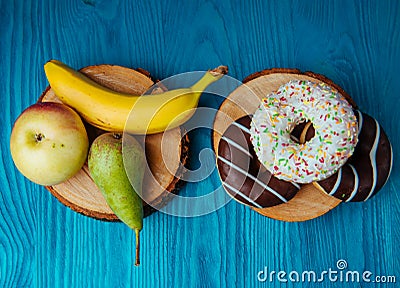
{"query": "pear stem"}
[(137, 261)]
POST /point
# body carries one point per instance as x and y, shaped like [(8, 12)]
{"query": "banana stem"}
[(208, 78), (137, 260)]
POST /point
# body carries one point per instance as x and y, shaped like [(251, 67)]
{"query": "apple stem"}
[(39, 137)]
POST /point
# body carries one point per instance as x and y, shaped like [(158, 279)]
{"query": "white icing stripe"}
[(295, 185), (234, 144), (372, 157), (391, 159), (265, 186), (391, 164), (360, 122), (241, 127), (356, 184), (337, 183), (241, 194)]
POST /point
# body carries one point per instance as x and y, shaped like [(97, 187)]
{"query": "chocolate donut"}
[(367, 170), (243, 176)]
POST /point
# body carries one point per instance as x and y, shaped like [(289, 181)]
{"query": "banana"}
[(110, 110)]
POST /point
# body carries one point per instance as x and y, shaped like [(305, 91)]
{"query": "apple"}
[(49, 143)]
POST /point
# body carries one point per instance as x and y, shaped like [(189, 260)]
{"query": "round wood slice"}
[(161, 181), (309, 202)]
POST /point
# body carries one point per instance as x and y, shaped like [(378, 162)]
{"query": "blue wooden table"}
[(45, 244)]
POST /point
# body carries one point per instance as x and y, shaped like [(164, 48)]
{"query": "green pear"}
[(106, 167)]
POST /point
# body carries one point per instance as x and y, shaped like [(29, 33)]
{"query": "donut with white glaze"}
[(293, 103)]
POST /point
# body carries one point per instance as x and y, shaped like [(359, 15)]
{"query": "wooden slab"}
[(309, 202), (162, 180)]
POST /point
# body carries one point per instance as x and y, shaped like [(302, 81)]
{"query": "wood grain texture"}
[(354, 43)]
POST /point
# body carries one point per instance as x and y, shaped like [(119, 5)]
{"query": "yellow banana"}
[(109, 110)]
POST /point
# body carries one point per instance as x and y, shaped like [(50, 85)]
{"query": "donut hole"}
[(303, 132)]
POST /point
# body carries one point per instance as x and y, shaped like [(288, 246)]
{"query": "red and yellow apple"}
[(49, 143)]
